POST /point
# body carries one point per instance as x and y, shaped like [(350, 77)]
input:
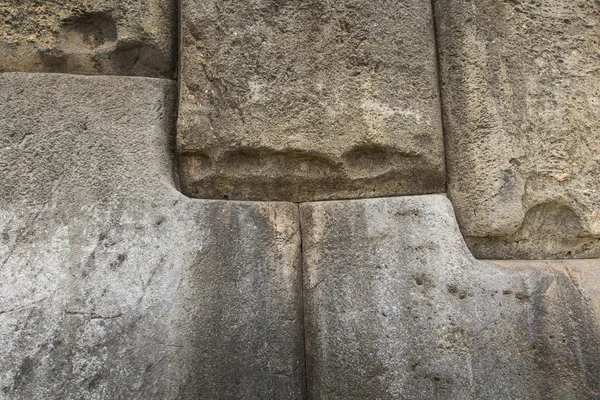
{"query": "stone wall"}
[(299, 211)]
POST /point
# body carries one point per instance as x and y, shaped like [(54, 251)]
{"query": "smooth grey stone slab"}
[(113, 284), (397, 308)]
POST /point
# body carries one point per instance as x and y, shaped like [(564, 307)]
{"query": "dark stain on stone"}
[(88, 31), (24, 373)]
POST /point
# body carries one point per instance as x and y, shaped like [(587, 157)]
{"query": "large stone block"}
[(521, 95), (130, 37), (397, 308), (114, 285), (307, 100)]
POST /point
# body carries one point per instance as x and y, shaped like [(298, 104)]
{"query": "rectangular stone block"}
[(308, 100), (521, 94), (91, 37), (113, 284), (397, 308)]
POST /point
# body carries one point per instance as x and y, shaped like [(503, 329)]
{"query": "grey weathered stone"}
[(309, 100), (115, 286), (397, 308), (126, 37), (520, 85)]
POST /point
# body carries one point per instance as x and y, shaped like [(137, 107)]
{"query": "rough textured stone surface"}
[(309, 100), (127, 37), (397, 308), (115, 286), (522, 119)]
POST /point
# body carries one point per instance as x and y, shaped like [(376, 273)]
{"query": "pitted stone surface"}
[(93, 37), (397, 308), (309, 100), (112, 284), (522, 121)]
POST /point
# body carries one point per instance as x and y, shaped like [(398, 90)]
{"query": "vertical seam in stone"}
[(302, 298), (439, 88), (178, 29)]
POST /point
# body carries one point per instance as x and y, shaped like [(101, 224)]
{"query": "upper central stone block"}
[(309, 100)]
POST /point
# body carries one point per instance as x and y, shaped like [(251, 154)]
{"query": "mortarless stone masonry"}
[(115, 285)]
